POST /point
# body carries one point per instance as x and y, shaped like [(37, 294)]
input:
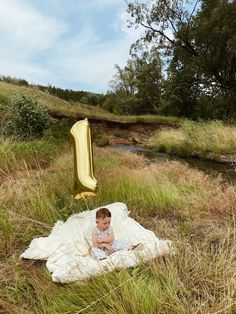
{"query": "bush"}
[(27, 118), (93, 99), (113, 104)]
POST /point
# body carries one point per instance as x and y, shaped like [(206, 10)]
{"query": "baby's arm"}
[(102, 242), (96, 240), (107, 239)]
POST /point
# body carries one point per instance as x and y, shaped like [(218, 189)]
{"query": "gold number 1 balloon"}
[(85, 183)]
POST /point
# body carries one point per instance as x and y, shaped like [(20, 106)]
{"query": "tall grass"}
[(192, 209), (15, 156), (197, 138)]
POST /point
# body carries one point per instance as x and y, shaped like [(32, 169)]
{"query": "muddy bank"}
[(129, 133), (141, 134)]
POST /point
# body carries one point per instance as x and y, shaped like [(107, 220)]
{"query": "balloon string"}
[(110, 292)]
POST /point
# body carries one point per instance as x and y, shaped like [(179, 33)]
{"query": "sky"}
[(70, 44)]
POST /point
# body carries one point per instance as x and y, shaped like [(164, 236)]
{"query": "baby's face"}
[(103, 223)]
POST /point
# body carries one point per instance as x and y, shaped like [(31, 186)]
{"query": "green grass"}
[(182, 204), (197, 138), (76, 110), (151, 190), (15, 156)]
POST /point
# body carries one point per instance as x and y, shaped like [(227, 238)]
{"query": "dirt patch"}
[(127, 134)]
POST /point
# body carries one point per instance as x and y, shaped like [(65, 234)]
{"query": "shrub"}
[(93, 99), (27, 118)]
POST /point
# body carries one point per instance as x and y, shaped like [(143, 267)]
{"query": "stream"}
[(228, 171)]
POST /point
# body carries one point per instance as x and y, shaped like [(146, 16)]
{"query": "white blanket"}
[(67, 248)]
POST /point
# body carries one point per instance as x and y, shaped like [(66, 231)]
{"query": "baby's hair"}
[(102, 213)]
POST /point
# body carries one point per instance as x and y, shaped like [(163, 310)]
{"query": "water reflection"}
[(228, 171)]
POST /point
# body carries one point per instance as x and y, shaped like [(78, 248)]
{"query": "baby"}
[(104, 242)]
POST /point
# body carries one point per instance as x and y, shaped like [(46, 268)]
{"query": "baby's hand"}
[(109, 248)]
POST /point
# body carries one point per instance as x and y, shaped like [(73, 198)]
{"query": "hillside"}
[(59, 108)]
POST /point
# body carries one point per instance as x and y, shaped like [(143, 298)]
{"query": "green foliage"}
[(201, 74), (88, 98), (124, 105), (138, 85), (13, 80), (93, 99), (112, 103), (27, 119), (66, 94)]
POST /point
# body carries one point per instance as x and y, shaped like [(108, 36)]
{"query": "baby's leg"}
[(98, 253), (120, 244)]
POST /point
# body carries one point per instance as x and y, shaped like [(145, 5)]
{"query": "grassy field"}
[(75, 110), (169, 198), (202, 139), (194, 210)]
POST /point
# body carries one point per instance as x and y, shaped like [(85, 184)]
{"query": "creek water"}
[(226, 170)]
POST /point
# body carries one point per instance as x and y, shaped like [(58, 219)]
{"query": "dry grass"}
[(187, 206), (197, 138)]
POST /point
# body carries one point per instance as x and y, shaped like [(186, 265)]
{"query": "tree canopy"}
[(199, 38), (137, 86)]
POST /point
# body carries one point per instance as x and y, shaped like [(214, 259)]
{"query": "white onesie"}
[(117, 245)]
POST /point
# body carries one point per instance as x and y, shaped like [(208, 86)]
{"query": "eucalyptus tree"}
[(138, 84), (199, 37)]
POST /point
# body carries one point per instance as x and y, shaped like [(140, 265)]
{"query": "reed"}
[(197, 137)]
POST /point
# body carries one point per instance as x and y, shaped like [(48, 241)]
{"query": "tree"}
[(123, 83), (201, 39), (138, 84), (181, 92), (93, 99), (149, 77)]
